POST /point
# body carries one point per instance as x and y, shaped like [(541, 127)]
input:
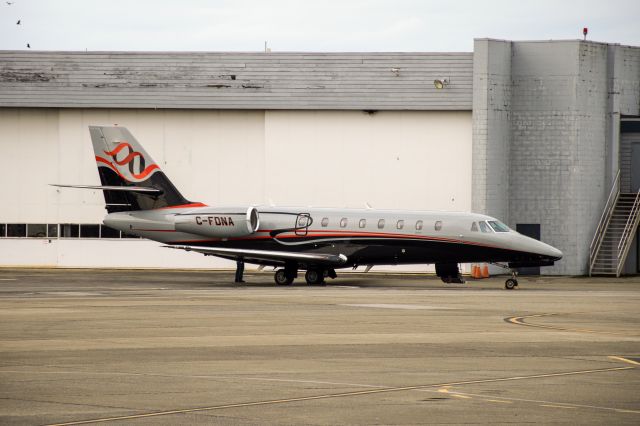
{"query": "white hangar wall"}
[(389, 159)]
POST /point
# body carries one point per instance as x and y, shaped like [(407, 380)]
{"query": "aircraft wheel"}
[(314, 277), (281, 277), (510, 284)]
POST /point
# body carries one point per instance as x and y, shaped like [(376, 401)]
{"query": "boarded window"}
[(89, 231), (16, 230), (69, 230), (106, 232)]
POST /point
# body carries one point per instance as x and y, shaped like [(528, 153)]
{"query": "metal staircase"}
[(615, 232)]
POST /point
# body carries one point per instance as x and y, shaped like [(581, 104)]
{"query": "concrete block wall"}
[(491, 127), (555, 119)]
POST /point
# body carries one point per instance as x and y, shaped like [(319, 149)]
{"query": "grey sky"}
[(327, 25)]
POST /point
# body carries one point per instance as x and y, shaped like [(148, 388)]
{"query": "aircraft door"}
[(303, 221)]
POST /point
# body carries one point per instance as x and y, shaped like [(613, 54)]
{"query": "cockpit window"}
[(484, 227), (498, 226), (474, 227)]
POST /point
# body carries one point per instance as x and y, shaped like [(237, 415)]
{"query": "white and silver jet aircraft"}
[(142, 201)]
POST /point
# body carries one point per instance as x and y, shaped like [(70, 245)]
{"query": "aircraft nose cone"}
[(552, 252)]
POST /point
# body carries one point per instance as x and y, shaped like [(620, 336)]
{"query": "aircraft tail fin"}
[(125, 171)]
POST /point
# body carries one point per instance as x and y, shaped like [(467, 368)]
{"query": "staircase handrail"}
[(596, 242), (627, 234)]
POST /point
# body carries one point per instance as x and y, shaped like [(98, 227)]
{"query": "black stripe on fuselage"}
[(380, 250)]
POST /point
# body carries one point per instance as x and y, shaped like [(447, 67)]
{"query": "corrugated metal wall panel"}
[(235, 80)]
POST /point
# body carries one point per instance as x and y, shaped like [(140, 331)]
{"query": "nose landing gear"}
[(512, 282)]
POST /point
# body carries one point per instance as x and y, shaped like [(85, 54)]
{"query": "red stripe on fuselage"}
[(183, 206)]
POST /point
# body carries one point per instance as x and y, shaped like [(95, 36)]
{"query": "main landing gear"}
[(285, 276), (313, 276)]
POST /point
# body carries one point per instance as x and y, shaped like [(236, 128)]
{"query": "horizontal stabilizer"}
[(141, 189), (268, 255)]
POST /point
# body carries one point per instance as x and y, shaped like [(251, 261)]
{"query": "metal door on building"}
[(630, 177), (635, 187), (635, 166), (530, 230)]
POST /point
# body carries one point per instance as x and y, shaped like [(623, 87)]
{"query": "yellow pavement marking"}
[(558, 406), (521, 321), (501, 401), (337, 395), (629, 361), (538, 401)]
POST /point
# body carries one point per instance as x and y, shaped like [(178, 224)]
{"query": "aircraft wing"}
[(268, 256)]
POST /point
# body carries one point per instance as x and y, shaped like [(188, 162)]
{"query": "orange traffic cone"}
[(475, 271), (485, 271)]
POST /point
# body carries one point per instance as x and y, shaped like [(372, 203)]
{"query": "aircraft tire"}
[(282, 278), (314, 277), (510, 284)]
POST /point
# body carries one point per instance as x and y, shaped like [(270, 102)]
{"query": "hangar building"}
[(534, 133)]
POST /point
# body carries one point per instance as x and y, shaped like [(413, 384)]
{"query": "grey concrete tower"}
[(546, 120)]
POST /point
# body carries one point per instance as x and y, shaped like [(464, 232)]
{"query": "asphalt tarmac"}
[(149, 347)]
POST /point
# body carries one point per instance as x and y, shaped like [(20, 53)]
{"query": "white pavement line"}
[(395, 306)]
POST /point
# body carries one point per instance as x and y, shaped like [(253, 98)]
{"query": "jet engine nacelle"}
[(219, 222)]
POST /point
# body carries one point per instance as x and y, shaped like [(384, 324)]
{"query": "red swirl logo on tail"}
[(130, 170)]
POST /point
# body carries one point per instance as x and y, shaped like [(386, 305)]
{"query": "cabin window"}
[(303, 221), (400, 224), (343, 222), (438, 225), (484, 227), (325, 222), (474, 227), (381, 224), (498, 226), (362, 223), (419, 225)]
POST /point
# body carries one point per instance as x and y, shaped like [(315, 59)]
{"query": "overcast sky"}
[(321, 25)]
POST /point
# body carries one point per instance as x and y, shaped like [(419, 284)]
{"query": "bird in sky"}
[(28, 46), (9, 3), (18, 23)]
